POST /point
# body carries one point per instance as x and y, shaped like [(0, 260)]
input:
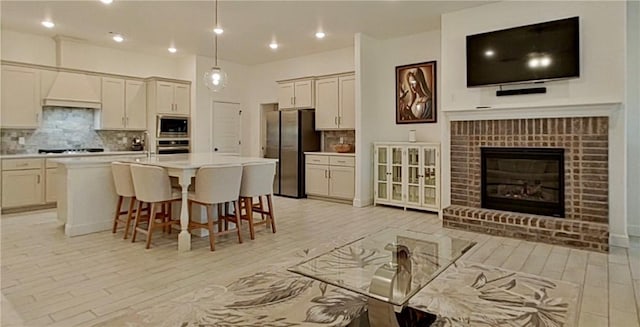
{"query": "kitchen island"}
[(87, 193)]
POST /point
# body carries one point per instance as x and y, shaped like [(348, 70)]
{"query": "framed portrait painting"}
[(416, 93)]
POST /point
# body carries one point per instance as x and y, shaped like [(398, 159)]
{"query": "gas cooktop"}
[(74, 150)]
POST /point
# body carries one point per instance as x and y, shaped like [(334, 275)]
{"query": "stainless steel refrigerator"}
[(290, 134)]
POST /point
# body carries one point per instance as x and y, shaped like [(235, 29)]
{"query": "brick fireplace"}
[(584, 142)]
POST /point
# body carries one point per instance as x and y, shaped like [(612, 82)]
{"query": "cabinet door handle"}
[(325, 173), (339, 120), (329, 174), (38, 182), (127, 122), (335, 120), (122, 121)]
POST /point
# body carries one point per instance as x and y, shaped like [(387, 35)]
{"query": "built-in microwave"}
[(172, 127)]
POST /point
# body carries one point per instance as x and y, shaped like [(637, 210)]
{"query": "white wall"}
[(29, 48), (397, 52), (35, 49), (602, 45), (633, 116), (235, 91), (262, 87)]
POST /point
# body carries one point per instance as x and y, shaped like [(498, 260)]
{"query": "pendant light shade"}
[(215, 78)]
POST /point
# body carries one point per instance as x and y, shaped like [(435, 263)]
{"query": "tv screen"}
[(530, 53)]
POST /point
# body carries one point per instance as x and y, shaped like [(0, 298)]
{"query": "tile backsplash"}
[(330, 138), (64, 128)]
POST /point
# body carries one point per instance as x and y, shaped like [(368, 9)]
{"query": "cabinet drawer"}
[(342, 161), (317, 159), (51, 164), (20, 164)]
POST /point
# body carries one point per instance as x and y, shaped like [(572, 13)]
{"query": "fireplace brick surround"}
[(585, 141)]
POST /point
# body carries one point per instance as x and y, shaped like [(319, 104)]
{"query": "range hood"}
[(74, 90)]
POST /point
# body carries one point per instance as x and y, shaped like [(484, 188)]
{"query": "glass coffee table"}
[(388, 267)]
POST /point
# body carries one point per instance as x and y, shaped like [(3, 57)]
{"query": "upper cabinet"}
[(296, 94), (169, 97), (335, 102), (21, 97), (124, 104)]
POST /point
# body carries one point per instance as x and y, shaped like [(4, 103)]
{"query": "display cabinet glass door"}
[(413, 175), (382, 179), (396, 173), (430, 177)]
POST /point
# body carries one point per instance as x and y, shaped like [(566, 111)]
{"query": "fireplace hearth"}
[(527, 180)]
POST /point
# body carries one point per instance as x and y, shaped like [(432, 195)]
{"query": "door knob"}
[(215, 149)]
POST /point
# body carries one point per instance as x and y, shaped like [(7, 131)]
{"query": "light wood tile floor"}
[(51, 280)]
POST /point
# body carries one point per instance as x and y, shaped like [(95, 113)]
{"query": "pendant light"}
[(215, 78)]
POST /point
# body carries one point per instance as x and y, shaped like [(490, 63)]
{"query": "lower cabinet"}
[(330, 176), (22, 182), (51, 184)]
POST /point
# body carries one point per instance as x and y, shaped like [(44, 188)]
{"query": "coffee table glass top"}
[(391, 265)]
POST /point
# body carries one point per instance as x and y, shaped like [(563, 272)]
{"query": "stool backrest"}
[(152, 184), (218, 184), (122, 179), (257, 179)]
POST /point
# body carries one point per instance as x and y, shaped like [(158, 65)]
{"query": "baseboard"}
[(619, 240), (87, 228), (324, 198), (633, 230), (6, 211)]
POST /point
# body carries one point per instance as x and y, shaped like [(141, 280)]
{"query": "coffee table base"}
[(382, 314)]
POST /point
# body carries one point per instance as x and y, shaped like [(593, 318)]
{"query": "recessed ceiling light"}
[(172, 50), (273, 45), (48, 24), (489, 53), (218, 30), (320, 35), (106, 2), (118, 38)]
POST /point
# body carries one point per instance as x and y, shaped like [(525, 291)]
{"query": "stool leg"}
[(249, 210), (271, 216), (152, 219), (219, 207), (238, 219), (227, 212), (169, 209), (261, 206), (118, 208), (132, 203), (210, 224), (136, 222)]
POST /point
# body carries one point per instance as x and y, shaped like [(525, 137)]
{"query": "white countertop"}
[(350, 154), (181, 161), (67, 155)]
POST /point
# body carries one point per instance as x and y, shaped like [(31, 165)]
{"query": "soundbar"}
[(534, 90)]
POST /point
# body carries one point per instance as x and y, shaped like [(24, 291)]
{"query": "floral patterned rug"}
[(466, 294)]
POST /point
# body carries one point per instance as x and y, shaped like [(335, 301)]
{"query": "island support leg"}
[(184, 238)]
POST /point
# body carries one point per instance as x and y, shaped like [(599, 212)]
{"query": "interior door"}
[(226, 128)]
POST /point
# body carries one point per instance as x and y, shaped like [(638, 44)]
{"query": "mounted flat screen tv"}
[(531, 53)]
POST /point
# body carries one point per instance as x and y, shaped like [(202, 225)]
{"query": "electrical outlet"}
[(21, 140), (124, 139)]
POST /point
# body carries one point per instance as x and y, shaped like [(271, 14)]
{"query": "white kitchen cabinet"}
[(113, 115), (169, 97), (22, 182), (50, 181), (135, 105), (297, 94), (407, 175), (335, 102), (124, 104), (331, 176), (21, 97)]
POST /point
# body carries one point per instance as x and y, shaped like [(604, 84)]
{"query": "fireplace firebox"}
[(527, 180)]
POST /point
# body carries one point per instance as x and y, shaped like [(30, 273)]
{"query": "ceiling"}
[(249, 26)]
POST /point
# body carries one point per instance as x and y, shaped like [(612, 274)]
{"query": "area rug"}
[(466, 294)]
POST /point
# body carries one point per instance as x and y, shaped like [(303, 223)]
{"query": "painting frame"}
[(419, 104)]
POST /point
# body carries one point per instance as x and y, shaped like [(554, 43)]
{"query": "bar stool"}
[(152, 185), (257, 181), (217, 185), (124, 189)]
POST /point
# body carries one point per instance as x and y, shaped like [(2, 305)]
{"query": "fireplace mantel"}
[(602, 109)]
